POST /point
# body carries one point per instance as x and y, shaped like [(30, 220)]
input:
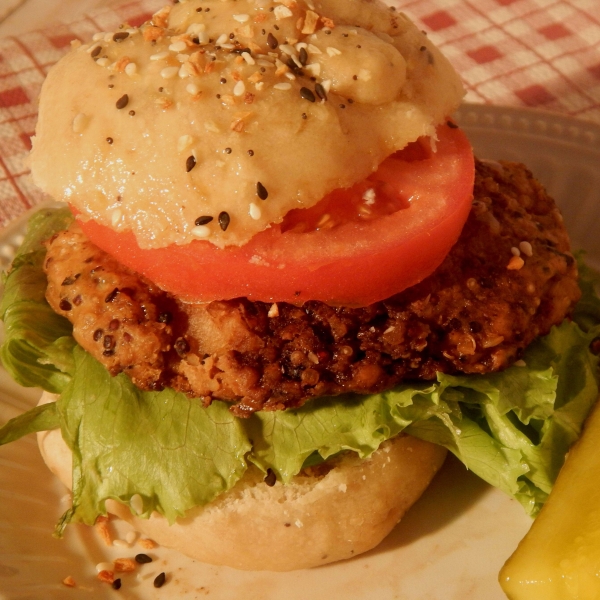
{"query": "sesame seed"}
[(132, 113), (272, 41), (130, 537), (254, 211), (109, 140), (96, 51), (303, 57), (224, 220), (120, 543), (104, 566), (304, 116), (241, 18), (248, 58), (320, 91), (178, 46), (307, 94), (103, 62), (137, 504), (122, 102), (160, 580), (169, 72), (205, 220), (526, 248), (261, 191), (250, 152), (282, 86), (116, 584), (119, 37), (159, 56), (190, 163), (142, 559), (227, 150), (131, 69), (192, 89), (201, 231), (222, 80), (239, 88)]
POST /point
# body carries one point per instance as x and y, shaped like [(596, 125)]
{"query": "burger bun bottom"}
[(323, 515)]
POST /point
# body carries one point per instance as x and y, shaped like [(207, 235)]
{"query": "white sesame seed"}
[(184, 71), (201, 231), (311, 49), (515, 251), (130, 537), (131, 69), (254, 211), (120, 544), (273, 311), (333, 51), (264, 63), (282, 86), (178, 46), (192, 89), (159, 56), (103, 62), (185, 141), (137, 504), (389, 329), (80, 122), (98, 36), (313, 69), (108, 37), (228, 46), (526, 248), (326, 83), (290, 76), (282, 12), (241, 18), (301, 45), (211, 126), (116, 216), (196, 28), (132, 31), (239, 88), (369, 196), (169, 72), (203, 38), (104, 566), (260, 85), (222, 39), (248, 58), (289, 50)]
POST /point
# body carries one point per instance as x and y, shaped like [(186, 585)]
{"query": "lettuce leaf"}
[(512, 428)]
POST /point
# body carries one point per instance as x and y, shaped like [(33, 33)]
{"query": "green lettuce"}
[(513, 428)]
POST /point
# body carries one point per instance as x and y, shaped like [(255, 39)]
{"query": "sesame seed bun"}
[(324, 515), (175, 121)]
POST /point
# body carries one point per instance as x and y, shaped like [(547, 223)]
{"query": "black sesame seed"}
[(224, 220), (320, 90), (98, 335), (132, 113), (116, 584), (71, 279), (276, 27), (203, 220), (199, 9), (272, 41), (109, 342), (227, 150), (65, 305), (190, 163), (109, 140), (181, 347), (165, 317), (223, 80), (123, 101), (250, 152), (423, 48), (452, 125), (142, 559), (270, 479), (307, 94), (207, 10), (231, 36), (355, 77), (303, 56), (112, 295), (261, 191), (119, 37), (96, 51)]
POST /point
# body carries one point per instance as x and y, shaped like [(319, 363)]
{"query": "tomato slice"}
[(355, 247)]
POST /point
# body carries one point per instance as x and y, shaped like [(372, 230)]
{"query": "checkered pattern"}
[(542, 53)]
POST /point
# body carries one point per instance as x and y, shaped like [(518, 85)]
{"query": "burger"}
[(283, 287)]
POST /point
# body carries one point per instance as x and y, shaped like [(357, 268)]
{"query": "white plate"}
[(450, 546)]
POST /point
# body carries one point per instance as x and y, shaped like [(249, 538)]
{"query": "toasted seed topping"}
[(190, 163), (65, 305), (116, 584), (224, 220), (272, 41), (203, 220), (160, 580), (119, 37), (307, 94), (96, 51), (142, 559), (112, 295), (320, 90), (261, 191), (123, 101), (270, 478)]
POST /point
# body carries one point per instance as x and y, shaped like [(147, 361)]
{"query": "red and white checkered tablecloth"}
[(536, 53)]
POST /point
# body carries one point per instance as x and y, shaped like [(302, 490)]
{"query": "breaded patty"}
[(510, 278)]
